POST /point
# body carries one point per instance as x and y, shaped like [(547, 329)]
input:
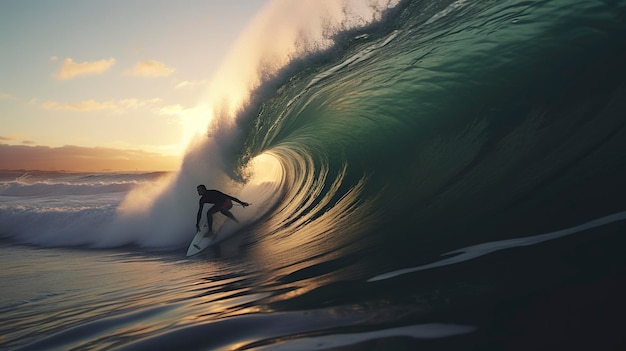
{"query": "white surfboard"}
[(225, 229), (201, 241)]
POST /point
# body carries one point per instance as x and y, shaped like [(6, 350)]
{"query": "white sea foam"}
[(474, 251)]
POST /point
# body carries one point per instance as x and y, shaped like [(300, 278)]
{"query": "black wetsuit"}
[(221, 200), (222, 203)]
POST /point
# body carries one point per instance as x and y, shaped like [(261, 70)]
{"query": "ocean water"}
[(427, 175)]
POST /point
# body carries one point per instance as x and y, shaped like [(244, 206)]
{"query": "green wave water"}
[(451, 115), (449, 177)]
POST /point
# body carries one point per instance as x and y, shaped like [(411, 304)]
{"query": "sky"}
[(109, 85)]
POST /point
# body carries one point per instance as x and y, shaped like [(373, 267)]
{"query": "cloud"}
[(70, 69), (87, 105), (13, 140), (192, 84), (5, 96), (132, 104), (151, 68), (117, 106), (76, 158)]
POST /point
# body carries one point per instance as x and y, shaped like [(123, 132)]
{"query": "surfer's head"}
[(201, 189)]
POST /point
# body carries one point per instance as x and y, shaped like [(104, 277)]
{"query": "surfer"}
[(221, 203)]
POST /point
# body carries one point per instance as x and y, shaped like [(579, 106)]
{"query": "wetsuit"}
[(222, 203)]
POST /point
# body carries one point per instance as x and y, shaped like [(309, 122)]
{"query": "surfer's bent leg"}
[(209, 221), (229, 215), (209, 217)]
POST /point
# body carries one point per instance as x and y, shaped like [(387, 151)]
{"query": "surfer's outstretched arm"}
[(244, 204)]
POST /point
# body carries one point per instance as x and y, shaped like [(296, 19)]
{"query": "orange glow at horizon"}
[(81, 159)]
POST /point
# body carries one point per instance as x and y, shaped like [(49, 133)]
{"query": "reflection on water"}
[(102, 300), (94, 294)]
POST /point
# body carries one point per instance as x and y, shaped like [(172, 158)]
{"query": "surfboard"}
[(225, 229), (201, 241)]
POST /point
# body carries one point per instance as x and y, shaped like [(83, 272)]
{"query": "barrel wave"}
[(423, 175), (449, 123)]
